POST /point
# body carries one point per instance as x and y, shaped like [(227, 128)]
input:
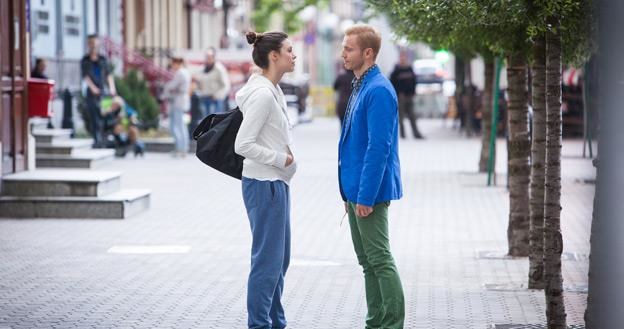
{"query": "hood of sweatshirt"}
[(256, 82)]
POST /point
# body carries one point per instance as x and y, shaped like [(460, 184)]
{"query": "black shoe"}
[(120, 152), (139, 149)]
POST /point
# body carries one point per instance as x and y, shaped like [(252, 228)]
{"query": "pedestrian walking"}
[(343, 86), (369, 174), (264, 140), (403, 79), (214, 84), (98, 78), (177, 93)]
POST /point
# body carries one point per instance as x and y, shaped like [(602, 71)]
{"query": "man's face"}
[(352, 54), (93, 44), (403, 59), (210, 58)]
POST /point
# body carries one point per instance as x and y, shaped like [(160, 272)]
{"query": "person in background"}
[(403, 79), (98, 78), (38, 71), (122, 121), (343, 86), (214, 84), (177, 93)]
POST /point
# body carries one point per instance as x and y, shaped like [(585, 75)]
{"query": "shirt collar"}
[(357, 83)]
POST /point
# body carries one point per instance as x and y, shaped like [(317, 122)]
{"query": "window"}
[(42, 22), (72, 25), (43, 15)]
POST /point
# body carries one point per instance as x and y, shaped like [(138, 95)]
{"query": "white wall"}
[(206, 30), (72, 28), (388, 54), (43, 28), (90, 16)]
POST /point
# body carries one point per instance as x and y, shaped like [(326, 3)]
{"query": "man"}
[(97, 76), (404, 81), (369, 175), (343, 87), (214, 84)]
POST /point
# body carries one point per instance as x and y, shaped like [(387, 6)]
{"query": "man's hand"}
[(363, 211), (289, 160), (95, 91)]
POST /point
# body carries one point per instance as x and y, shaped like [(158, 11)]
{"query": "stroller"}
[(120, 125)]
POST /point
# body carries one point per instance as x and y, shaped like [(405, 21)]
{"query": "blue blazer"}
[(369, 171)]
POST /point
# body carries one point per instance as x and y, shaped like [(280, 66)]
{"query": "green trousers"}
[(384, 293)]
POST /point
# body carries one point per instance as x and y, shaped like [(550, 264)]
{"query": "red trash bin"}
[(40, 93)]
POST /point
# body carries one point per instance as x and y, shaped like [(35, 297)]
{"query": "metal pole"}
[(490, 165), (587, 139)]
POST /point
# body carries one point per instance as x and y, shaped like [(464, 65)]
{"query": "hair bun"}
[(253, 37)]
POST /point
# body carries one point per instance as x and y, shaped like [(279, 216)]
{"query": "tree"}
[(538, 157), (518, 149), (553, 240), (135, 91), (486, 27), (264, 10)]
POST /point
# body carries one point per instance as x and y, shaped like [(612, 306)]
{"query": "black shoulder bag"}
[(215, 136)]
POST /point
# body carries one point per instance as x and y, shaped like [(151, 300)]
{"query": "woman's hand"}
[(289, 160)]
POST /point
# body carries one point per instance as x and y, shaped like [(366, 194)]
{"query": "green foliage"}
[(492, 27), (136, 93), (264, 10)]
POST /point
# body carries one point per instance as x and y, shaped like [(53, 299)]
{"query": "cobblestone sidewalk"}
[(183, 263)]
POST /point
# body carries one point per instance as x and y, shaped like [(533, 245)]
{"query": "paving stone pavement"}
[(59, 273)]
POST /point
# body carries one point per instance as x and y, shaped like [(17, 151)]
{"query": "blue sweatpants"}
[(268, 209)]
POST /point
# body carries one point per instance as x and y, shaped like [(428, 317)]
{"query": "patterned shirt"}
[(357, 85)]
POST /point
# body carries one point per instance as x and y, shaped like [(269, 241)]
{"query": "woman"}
[(177, 92), (264, 140)]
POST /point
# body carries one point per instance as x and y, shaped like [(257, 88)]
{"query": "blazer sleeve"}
[(254, 118), (381, 117)]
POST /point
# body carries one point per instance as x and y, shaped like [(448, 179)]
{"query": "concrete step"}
[(164, 145), (48, 135), (119, 205), (67, 146), (39, 123), (78, 159), (61, 182)]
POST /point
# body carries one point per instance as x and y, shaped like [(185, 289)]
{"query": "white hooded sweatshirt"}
[(264, 137)]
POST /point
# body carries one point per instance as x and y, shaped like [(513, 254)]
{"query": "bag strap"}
[(203, 126)]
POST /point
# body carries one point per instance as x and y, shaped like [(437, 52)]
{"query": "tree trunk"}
[(538, 155), (553, 241), (518, 148), (486, 115)]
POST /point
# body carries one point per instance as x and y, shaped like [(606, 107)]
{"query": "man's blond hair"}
[(366, 36)]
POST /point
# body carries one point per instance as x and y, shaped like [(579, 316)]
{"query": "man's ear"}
[(368, 52)]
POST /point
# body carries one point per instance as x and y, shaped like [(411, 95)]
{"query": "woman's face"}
[(284, 60)]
